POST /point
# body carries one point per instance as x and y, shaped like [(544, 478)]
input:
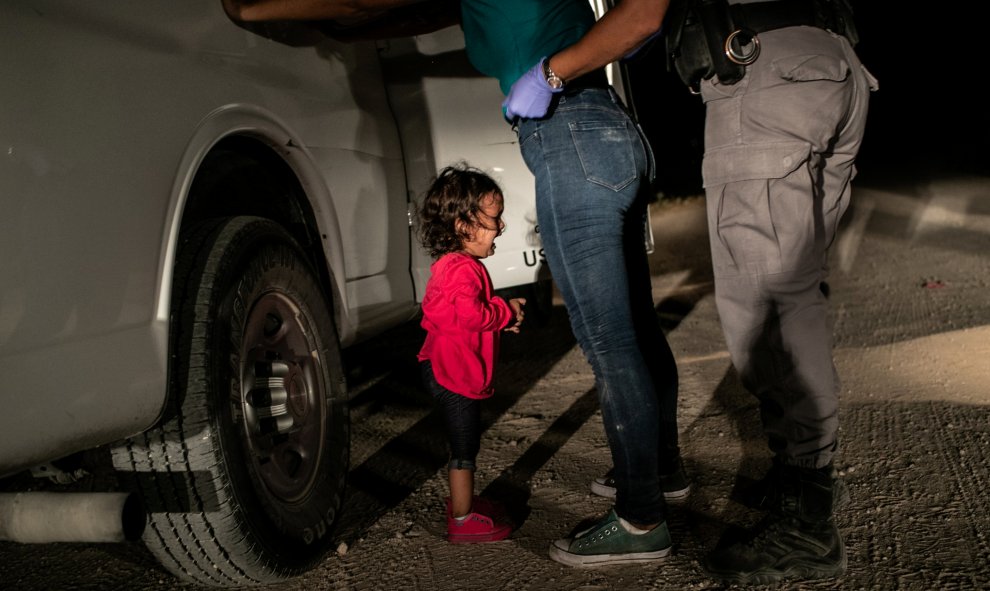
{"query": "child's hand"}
[(517, 306)]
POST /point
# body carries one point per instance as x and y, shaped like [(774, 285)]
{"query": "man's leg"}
[(777, 170)]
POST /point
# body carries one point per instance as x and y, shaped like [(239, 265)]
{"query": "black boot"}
[(798, 539), (764, 495)]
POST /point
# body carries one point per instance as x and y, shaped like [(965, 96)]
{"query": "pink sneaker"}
[(475, 528)]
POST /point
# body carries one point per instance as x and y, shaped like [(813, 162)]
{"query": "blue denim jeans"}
[(592, 167)]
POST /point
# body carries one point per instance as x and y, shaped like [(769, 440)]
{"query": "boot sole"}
[(803, 572), (797, 573)]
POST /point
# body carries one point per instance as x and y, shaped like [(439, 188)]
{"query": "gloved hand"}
[(529, 96)]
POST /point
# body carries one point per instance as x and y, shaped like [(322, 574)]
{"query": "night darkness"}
[(929, 116)]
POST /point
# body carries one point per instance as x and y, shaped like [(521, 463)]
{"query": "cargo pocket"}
[(753, 161), (807, 68), (605, 149)]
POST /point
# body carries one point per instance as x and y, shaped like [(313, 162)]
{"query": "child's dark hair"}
[(455, 195)]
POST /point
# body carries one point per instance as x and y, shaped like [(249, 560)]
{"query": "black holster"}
[(695, 40)]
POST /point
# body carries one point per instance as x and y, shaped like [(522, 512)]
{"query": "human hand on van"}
[(350, 11), (517, 307)]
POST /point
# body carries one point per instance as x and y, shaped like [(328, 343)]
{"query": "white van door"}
[(448, 112)]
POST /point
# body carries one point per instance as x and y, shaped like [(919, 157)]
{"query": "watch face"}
[(554, 81)]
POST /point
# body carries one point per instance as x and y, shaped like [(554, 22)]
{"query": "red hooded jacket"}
[(463, 320)]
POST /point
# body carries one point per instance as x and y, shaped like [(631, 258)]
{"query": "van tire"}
[(243, 475)]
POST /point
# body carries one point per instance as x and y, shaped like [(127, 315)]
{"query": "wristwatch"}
[(554, 81)]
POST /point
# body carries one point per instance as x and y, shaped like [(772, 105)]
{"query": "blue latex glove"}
[(529, 96)]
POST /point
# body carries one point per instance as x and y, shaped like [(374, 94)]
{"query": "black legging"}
[(462, 416)]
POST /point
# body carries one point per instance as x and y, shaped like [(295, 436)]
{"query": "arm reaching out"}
[(352, 20), (345, 10)]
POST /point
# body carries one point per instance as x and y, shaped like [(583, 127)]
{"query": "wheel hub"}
[(280, 396)]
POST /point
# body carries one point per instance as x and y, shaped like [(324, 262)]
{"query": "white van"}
[(197, 217)]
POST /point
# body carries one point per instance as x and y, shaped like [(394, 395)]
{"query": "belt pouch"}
[(695, 41), (718, 26)]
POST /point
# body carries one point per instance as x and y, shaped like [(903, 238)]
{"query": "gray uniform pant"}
[(780, 147)]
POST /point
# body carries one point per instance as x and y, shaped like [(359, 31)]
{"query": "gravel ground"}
[(909, 286)]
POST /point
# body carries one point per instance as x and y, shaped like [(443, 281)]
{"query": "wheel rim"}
[(281, 396)]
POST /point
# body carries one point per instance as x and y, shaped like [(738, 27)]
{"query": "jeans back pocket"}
[(606, 151)]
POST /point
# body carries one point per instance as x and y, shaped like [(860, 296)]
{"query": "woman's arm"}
[(620, 30)]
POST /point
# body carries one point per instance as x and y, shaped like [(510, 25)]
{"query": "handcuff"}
[(735, 43)]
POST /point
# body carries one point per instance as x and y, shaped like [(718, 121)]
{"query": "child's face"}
[(486, 228)]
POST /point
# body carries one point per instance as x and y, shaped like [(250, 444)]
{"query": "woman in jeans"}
[(593, 169)]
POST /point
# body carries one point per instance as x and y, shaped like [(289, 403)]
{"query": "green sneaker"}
[(609, 542)]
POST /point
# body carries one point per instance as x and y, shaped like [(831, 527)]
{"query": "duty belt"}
[(706, 38), (757, 17)]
